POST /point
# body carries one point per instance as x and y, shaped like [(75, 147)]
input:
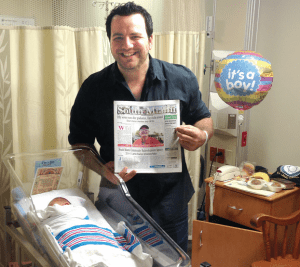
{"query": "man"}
[(137, 76), (146, 140)]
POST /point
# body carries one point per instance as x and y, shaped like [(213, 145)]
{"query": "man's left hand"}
[(190, 137)]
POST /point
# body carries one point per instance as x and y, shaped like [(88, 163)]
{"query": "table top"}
[(274, 197)]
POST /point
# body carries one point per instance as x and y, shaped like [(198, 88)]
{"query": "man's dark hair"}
[(144, 126), (128, 9)]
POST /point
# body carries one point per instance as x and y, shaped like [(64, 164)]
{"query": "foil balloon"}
[(243, 79)]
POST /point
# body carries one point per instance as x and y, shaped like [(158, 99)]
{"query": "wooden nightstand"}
[(239, 206), (223, 245)]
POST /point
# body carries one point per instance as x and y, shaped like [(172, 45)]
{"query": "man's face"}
[(144, 132), (130, 44)]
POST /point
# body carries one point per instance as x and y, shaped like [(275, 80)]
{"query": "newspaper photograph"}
[(46, 179), (145, 137)]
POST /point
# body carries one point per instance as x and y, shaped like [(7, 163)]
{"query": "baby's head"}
[(60, 201)]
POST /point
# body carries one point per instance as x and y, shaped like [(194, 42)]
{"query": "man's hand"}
[(124, 175), (190, 137), (127, 176)]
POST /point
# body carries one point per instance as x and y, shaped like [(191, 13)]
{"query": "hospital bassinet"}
[(80, 168)]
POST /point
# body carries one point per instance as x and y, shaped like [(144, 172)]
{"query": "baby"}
[(60, 206), (84, 242), (59, 201)]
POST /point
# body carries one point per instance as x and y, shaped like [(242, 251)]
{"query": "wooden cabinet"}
[(240, 206), (222, 245)]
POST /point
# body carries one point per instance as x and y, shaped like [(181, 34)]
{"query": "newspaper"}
[(145, 138)]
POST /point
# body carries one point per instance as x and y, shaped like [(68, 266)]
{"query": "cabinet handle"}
[(201, 244), (234, 208)]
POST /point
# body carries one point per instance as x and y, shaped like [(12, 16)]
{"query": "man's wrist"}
[(206, 137)]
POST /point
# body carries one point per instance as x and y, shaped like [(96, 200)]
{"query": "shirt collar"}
[(154, 71), (116, 74)]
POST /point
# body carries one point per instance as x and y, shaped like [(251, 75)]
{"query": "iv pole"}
[(250, 41)]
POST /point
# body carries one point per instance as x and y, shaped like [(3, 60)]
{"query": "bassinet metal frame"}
[(12, 233)]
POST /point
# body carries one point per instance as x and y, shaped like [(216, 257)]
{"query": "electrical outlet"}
[(221, 159), (213, 152)]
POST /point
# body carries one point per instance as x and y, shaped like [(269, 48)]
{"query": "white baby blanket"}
[(85, 242)]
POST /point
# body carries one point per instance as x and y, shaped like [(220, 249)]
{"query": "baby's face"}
[(60, 201)]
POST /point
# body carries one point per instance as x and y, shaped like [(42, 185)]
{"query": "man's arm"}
[(192, 137)]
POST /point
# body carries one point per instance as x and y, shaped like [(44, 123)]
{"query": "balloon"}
[(243, 79)]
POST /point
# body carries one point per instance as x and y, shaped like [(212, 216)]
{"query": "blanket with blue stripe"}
[(92, 234), (149, 235)]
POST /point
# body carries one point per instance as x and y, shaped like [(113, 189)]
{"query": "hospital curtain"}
[(5, 128), (48, 66), (41, 70), (185, 48)]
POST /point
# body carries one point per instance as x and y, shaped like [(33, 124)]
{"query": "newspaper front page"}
[(145, 138)]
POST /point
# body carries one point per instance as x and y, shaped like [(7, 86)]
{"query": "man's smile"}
[(128, 54)]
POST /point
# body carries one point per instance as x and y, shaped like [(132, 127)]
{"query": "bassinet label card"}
[(46, 179), (48, 163)]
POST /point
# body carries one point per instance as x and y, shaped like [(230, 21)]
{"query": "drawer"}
[(237, 207)]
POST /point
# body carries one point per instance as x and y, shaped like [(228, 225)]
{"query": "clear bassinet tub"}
[(38, 177)]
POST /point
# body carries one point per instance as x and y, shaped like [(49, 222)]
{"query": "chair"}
[(275, 233)]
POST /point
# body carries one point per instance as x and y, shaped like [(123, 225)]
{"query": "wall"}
[(274, 127), (230, 24), (39, 10), (79, 13), (273, 137)]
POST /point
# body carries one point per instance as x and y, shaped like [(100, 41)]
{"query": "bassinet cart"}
[(70, 171)]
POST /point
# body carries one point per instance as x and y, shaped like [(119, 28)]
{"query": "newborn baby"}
[(61, 207), (61, 201), (94, 244)]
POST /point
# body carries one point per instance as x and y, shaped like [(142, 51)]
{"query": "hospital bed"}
[(75, 173)]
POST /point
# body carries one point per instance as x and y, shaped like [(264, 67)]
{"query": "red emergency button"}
[(244, 139)]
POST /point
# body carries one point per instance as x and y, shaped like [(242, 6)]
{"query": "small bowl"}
[(275, 186), (256, 183)]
